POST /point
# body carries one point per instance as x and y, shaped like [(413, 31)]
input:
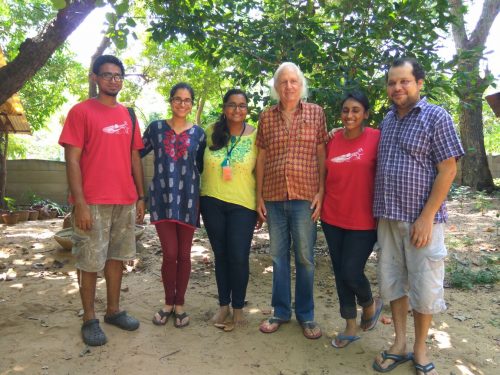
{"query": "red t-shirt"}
[(104, 134), (350, 179)]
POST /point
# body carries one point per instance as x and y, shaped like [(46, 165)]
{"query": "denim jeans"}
[(349, 251), (230, 230), (290, 225)]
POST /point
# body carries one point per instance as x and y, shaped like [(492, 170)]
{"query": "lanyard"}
[(229, 151)]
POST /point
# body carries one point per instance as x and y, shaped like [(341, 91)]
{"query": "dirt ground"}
[(40, 326)]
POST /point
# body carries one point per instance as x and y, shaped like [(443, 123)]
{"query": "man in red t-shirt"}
[(106, 189)]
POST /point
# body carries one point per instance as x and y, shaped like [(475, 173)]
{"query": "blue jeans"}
[(230, 230), (290, 223)]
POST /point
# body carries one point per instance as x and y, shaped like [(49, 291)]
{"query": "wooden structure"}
[(494, 102)]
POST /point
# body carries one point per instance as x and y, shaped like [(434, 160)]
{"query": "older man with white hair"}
[(290, 182)]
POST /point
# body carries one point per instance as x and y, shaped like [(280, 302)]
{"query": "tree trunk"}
[(475, 169), (4, 142), (34, 52), (199, 111), (105, 42)]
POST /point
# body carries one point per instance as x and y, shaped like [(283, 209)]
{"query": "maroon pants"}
[(176, 240)]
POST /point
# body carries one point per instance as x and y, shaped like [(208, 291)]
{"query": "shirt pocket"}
[(415, 142)]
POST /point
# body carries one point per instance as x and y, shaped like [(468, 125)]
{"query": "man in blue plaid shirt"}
[(417, 157)]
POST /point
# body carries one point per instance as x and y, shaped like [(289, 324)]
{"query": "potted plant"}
[(10, 217)]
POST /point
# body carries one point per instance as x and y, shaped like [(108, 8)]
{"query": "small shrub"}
[(463, 277)]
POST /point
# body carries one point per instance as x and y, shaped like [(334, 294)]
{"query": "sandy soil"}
[(40, 327)]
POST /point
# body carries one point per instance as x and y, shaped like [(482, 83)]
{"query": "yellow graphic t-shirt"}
[(241, 188)]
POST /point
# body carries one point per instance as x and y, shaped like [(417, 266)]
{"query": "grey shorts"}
[(404, 270), (111, 237)]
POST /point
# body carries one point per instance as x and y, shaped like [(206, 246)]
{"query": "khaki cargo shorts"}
[(111, 237), (404, 270)]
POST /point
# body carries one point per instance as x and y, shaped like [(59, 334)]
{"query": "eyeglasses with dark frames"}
[(234, 106), (179, 101), (107, 76)]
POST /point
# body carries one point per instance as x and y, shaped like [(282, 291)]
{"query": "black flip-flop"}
[(92, 333), (163, 315), (181, 317), (398, 360), (424, 368)]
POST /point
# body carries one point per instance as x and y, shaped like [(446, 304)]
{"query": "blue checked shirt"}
[(410, 149)]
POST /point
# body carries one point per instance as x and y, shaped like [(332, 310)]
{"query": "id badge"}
[(227, 173)]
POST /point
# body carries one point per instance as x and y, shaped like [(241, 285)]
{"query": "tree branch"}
[(34, 52), (491, 8), (458, 27)]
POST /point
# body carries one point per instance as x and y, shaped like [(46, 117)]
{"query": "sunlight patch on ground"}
[(34, 235), (442, 338), (253, 310), (464, 370), (17, 286), (198, 250), (4, 255)]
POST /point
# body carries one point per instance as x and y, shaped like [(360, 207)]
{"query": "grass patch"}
[(462, 276)]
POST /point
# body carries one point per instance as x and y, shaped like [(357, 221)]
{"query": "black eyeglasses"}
[(111, 77), (179, 101), (233, 106)]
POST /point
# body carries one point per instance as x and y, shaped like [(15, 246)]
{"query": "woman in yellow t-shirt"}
[(227, 204)]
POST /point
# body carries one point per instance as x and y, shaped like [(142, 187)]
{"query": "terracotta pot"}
[(33, 215), (23, 215), (53, 213), (43, 214), (67, 221), (10, 219)]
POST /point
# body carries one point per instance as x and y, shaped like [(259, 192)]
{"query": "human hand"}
[(140, 208), (259, 223), (421, 232), (316, 206), (83, 218), (332, 132), (261, 209)]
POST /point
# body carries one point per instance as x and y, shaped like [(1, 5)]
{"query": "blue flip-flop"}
[(347, 338), (369, 324), (424, 368), (398, 360)]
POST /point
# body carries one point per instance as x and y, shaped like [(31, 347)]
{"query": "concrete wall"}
[(47, 179)]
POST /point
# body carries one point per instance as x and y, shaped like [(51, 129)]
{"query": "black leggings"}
[(230, 230), (349, 251)]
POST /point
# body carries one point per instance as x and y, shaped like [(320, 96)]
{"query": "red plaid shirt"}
[(291, 166)]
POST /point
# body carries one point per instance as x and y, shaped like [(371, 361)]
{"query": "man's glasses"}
[(179, 101), (111, 77), (233, 106)]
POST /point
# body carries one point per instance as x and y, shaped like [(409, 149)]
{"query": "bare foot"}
[(219, 319), (349, 334), (181, 318), (239, 319), (421, 358), (161, 320)]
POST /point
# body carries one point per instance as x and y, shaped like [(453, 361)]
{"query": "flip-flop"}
[(92, 333), (270, 322), (163, 315), (369, 324), (398, 360), (347, 338), (309, 327), (424, 369), (122, 320), (181, 317)]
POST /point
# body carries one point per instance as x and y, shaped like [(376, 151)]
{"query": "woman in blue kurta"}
[(178, 147)]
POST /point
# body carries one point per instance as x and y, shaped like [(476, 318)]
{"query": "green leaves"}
[(59, 4)]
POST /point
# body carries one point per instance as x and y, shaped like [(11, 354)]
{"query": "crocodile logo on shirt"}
[(116, 128), (356, 155)]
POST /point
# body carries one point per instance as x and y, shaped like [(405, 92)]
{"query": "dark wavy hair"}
[(107, 59), (180, 86), (359, 96), (221, 134), (418, 70)]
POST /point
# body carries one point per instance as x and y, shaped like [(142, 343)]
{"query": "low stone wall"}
[(47, 179)]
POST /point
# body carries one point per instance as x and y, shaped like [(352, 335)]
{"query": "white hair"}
[(296, 69)]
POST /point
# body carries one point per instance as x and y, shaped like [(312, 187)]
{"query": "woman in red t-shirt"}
[(347, 216)]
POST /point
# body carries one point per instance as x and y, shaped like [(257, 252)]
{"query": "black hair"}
[(107, 59), (221, 134), (180, 86), (418, 70), (359, 96)]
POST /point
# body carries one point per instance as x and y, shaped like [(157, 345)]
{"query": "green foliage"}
[(10, 203), (462, 276), (339, 45), (482, 202)]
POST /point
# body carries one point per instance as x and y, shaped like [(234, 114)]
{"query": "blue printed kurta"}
[(175, 189)]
